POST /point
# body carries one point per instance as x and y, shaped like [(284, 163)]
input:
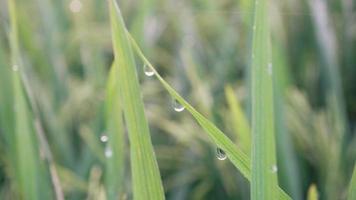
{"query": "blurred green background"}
[(201, 47)]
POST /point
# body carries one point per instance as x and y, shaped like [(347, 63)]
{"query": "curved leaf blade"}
[(145, 173), (238, 158)]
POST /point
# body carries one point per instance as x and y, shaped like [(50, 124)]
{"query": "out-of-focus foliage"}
[(199, 47)]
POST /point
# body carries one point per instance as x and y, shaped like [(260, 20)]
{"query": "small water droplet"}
[(220, 154), (177, 106), (148, 71), (254, 27), (274, 169), (15, 68), (108, 151), (104, 138), (270, 68)]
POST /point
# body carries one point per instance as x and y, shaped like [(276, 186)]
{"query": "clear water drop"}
[(15, 68), (108, 151), (177, 106), (148, 71), (104, 138), (220, 154), (274, 168)]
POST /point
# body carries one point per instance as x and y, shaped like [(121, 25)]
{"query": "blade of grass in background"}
[(352, 186), (264, 166), (32, 175), (7, 143), (115, 164), (240, 123), (145, 173), (32, 179), (288, 169), (238, 158), (6, 99), (333, 95)]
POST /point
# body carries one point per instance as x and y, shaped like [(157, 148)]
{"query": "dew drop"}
[(15, 68), (104, 138), (148, 71), (108, 151), (220, 154), (177, 106), (274, 168)]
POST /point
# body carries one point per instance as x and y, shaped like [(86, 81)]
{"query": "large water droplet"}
[(104, 138), (148, 70), (177, 106), (274, 168), (108, 151), (220, 154)]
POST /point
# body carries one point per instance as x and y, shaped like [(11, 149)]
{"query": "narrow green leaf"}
[(288, 169), (240, 124), (145, 173), (27, 161), (264, 166), (352, 186), (238, 158), (115, 164), (32, 177)]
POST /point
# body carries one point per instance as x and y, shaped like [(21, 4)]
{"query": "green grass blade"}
[(33, 179), (352, 186), (115, 131), (288, 169), (264, 176), (238, 158), (240, 125), (27, 161), (145, 173)]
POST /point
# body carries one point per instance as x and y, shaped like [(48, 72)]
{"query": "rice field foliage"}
[(190, 99)]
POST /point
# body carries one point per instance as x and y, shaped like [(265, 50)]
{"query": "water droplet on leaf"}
[(148, 71), (220, 154), (274, 169), (177, 106), (104, 138)]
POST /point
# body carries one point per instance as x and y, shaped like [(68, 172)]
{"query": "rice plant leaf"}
[(145, 173), (115, 164), (288, 169), (352, 186), (27, 161), (264, 176), (238, 158), (240, 125), (32, 179)]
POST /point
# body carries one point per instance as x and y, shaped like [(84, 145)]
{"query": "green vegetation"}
[(156, 99)]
